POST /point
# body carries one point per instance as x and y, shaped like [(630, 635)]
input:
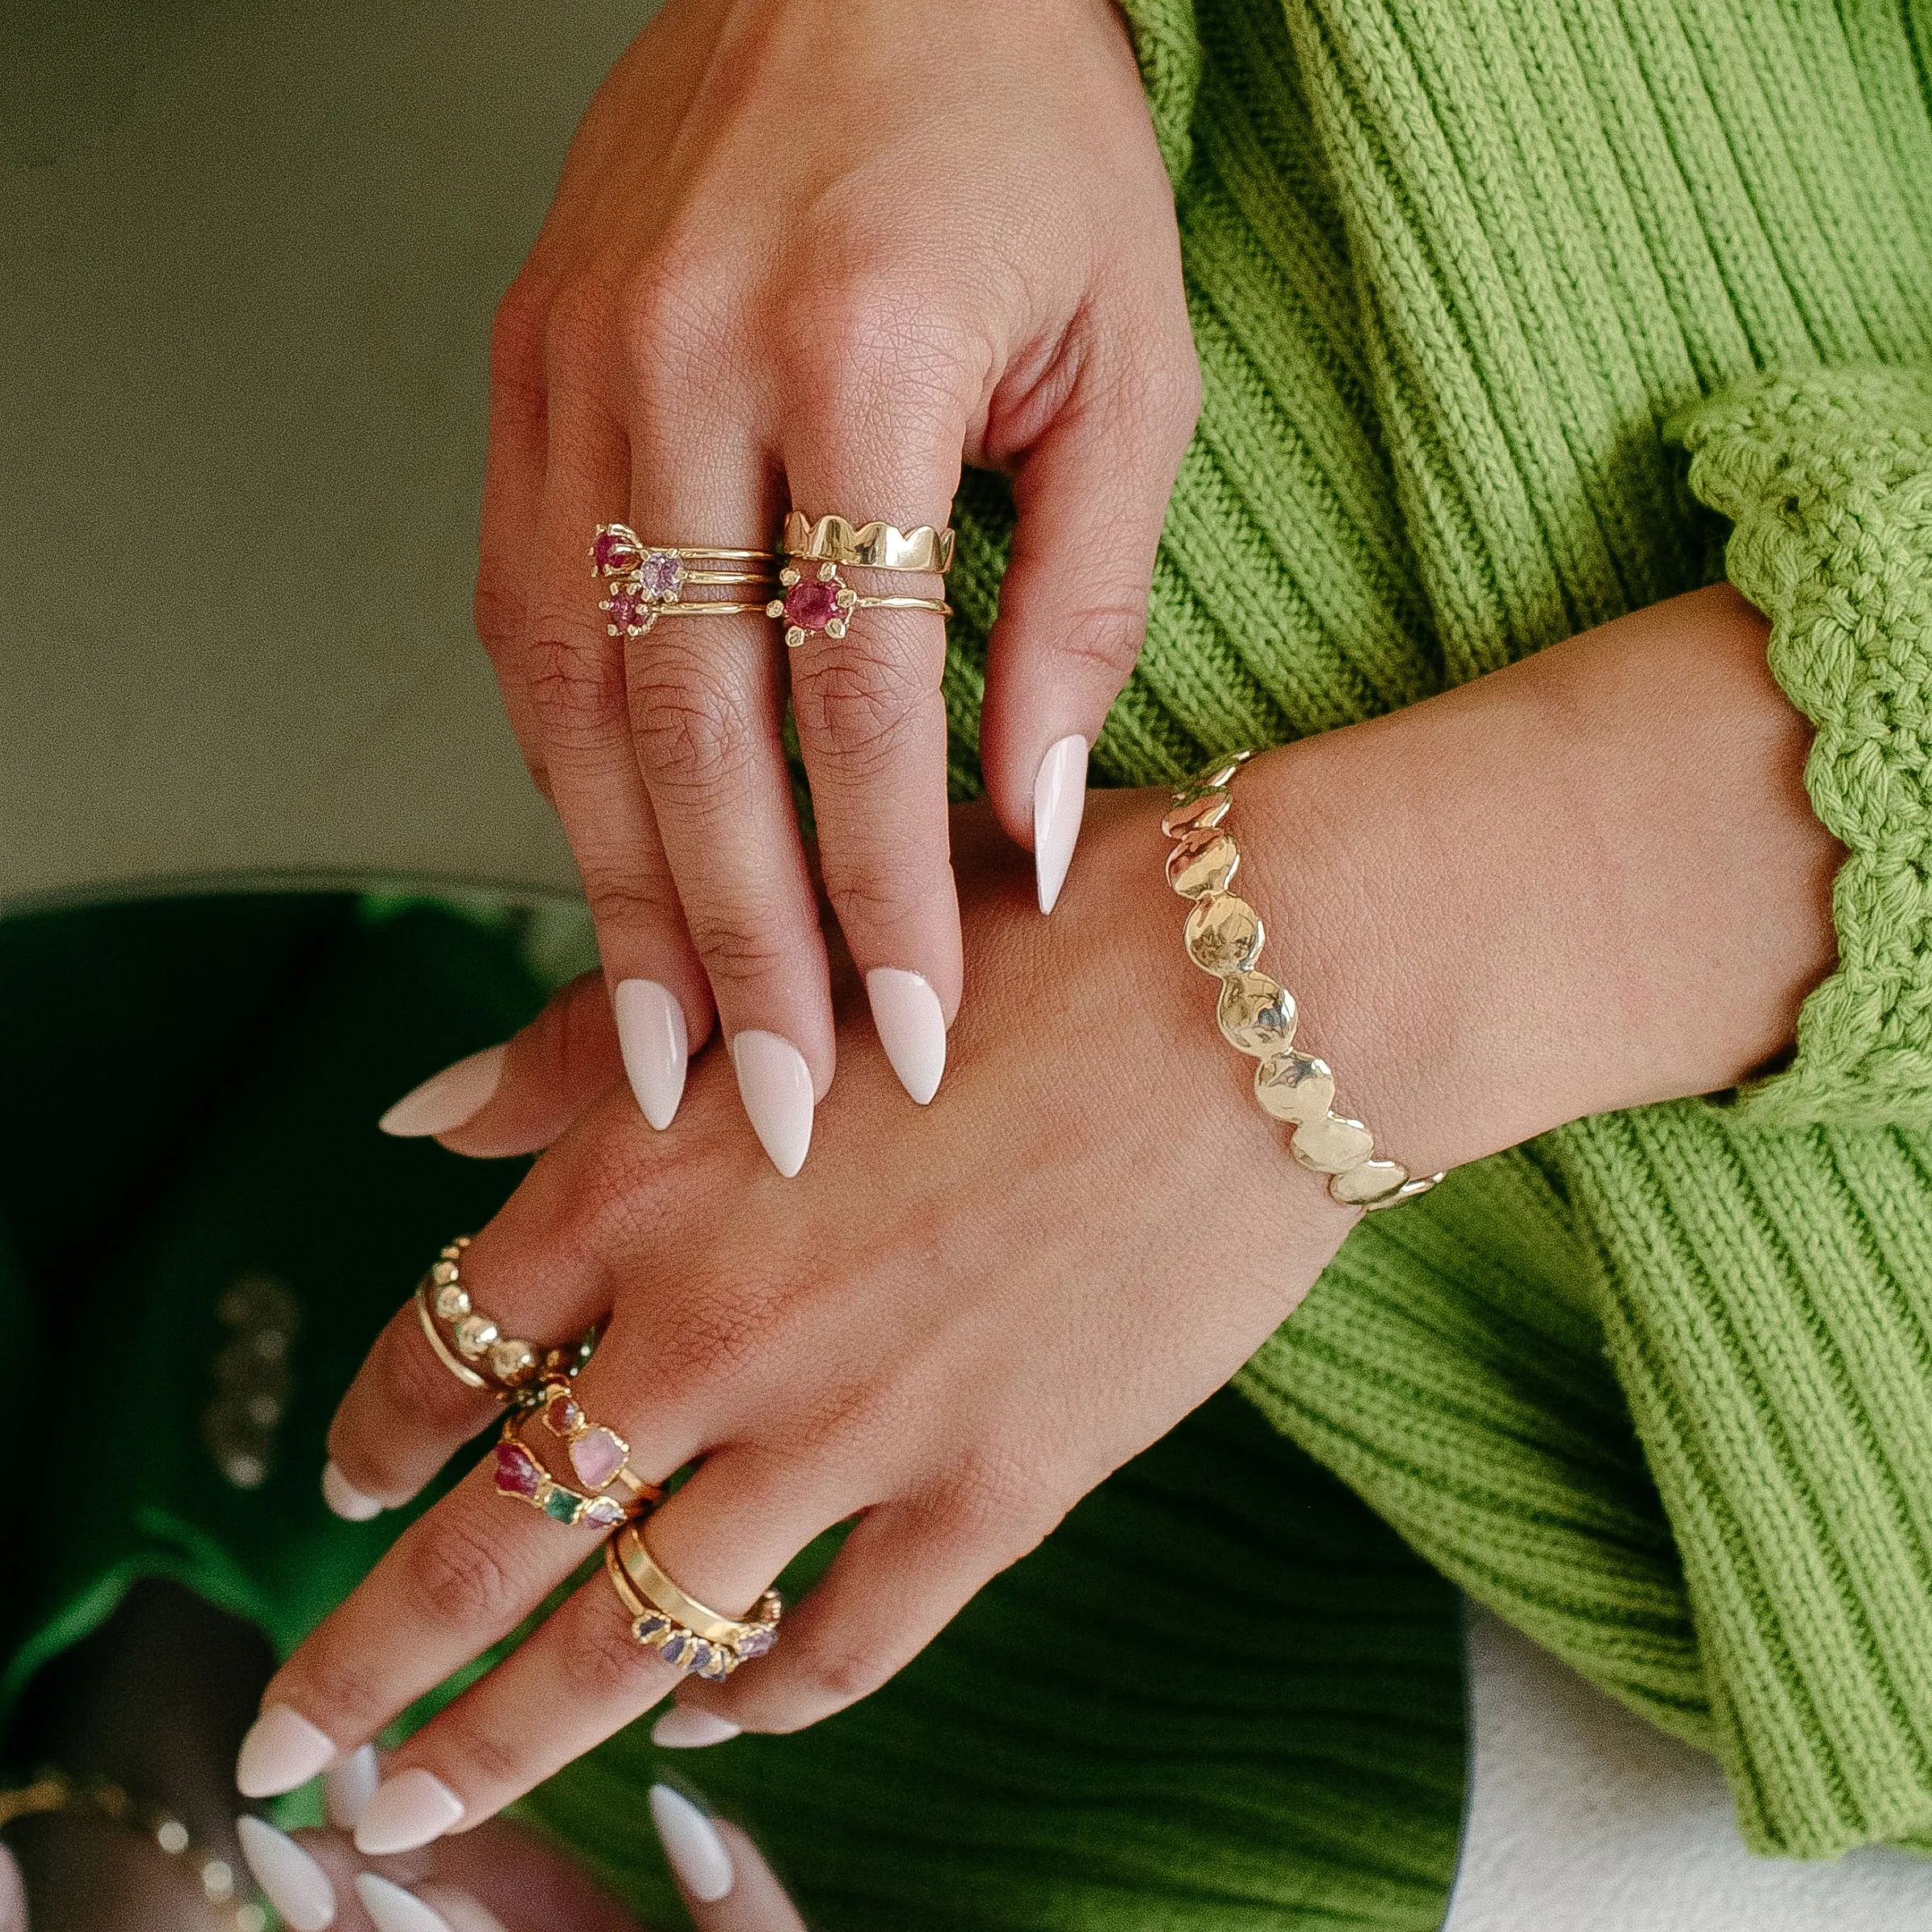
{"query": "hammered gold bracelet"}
[(1223, 937)]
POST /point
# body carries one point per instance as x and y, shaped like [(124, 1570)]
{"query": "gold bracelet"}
[(1223, 937), (53, 1792)]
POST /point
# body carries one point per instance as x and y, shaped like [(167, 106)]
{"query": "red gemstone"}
[(626, 607), (812, 605), (560, 1412), (611, 551), (516, 1472)]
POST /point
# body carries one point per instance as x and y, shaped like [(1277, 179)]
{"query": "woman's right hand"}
[(816, 254)]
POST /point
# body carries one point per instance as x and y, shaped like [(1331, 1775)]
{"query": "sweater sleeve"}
[(1169, 50), (1827, 479)]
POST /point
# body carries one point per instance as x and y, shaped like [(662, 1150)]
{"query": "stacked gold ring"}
[(820, 600), (678, 1626), (647, 581), (476, 1352)]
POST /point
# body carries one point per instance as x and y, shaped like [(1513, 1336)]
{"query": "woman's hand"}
[(960, 1322), (816, 253)]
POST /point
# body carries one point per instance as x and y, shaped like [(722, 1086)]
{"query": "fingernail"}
[(776, 1087), (912, 1028), (395, 1910), (684, 1727), (296, 1886), (465, 1913), (281, 1750), (348, 1786), (411, 1808), (650, 1031), (691, 1843), (344, 1499), (1059, 799), (448, 1099)]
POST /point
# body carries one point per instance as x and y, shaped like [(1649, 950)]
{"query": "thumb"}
[(1091, 494), (521, 1095)]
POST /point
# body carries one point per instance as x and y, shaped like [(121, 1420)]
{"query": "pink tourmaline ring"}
[(824, 603), (600, 1457), (648, 580)]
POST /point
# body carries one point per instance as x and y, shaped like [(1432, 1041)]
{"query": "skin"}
[(1589, 881), (776, 274)]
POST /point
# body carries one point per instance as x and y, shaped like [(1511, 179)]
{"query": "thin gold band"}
[(664, 1596), (1257, 1015), (447, 1356)]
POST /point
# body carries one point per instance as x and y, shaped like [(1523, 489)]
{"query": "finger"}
[(513, 488), (582, 1675), (872, 722), (1091, 494), (726, 1885), (535, 1274), (707, 701), (905, 1571), (576, 673)]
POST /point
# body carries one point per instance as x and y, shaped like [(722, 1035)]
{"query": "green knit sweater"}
[(1464, 274)]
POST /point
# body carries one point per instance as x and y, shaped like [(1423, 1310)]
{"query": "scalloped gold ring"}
[(874, 546)]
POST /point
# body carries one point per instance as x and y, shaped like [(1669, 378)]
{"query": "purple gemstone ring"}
[(518, 1474), (678, 1627), (648, 580)]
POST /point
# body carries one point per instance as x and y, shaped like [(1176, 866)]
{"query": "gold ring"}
[(678, 1627), (874, 546), (647, 581), (826, 602), (599, 1455), (519, 1474), (482, 1356)]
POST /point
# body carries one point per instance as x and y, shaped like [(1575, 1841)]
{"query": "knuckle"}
[(741, 948), (861, 702), (868, 338), (576, 326), (1104, 641), (498, 609), (627, 903), (993, 1498), (517, 335), (676, 312), (575, 682), (455, 1574), (339, 1690), (481, 1757), (695, 730), (839, 1673)]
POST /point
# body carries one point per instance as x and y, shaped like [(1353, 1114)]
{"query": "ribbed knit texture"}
[(1656, 1388)]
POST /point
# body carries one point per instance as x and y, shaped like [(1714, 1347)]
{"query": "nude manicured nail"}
[(448, 1099), (281, 1750), (348, 1786), (776, 1086), (413, 1808), (685, 1728), (650, 1031), (690, 1841), (395, 1910), (463, 1912), (345, 1499), (1059, 800), (296, 1886), (912, 1028)]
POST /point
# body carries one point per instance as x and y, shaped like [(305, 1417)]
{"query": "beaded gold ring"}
[(678, 1627), (1224, 937), (476, 1352)]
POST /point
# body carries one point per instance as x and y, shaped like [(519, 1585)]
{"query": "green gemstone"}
[(561, 1505)]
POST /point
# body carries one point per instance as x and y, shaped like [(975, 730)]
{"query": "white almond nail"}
[(447, 1099), (775, 1085), (281, 1750), (296, 1886), (690, 1841), (912, 1028), (413, 1808), (684, 1727), (1059, 800), (345, 1499), (395, 1910), (465, 1913), (348, 1786), (650, 1031)]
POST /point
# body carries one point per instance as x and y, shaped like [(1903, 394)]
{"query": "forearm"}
[(1589, 881)]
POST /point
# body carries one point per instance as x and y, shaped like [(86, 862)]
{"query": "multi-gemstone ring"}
[(649, 581)]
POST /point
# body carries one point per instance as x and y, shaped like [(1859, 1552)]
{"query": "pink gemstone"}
[(659, 576), (812, 605), (560, 1412), (597, 1455), (611, 551), (756, 1641), (626, 607), (516, 1472)]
